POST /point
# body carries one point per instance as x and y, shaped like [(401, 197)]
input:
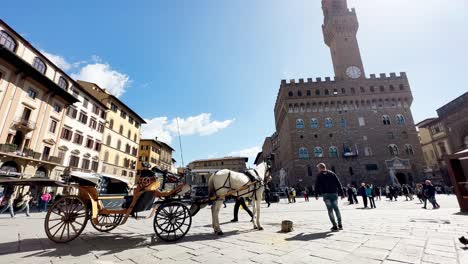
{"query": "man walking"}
[(240, 202), (329, 186), (431, 192), (362, 192), (10, 205)]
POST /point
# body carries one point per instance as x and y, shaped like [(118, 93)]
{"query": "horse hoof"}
[(260, 228), (220, 233), (255, 228)]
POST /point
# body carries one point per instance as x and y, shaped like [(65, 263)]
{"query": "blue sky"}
[(217, 65)]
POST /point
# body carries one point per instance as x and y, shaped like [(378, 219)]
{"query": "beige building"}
[(361, 127), (121, 137), (156, 154), (203, 169), (33, 102)]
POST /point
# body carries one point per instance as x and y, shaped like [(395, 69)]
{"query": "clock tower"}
[(340, 28)]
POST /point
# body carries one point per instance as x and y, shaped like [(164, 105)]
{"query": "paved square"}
[(394, 233)]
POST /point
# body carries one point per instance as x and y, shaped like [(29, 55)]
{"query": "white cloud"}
[(165, 130), (248, 152), (103, 75), (60, 61)]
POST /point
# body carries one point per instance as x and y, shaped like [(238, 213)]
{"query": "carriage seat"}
[(145, 202)]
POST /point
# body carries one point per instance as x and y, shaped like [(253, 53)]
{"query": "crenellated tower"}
[(340, 28)]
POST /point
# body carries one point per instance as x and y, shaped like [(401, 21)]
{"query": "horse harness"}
[(254, 180)]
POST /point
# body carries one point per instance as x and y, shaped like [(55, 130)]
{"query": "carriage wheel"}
[(112, 221), (66, 219), (172, 221)]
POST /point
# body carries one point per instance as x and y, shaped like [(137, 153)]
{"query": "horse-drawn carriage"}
[(107, 202)]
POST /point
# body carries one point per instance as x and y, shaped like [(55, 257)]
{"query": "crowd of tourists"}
[(16, 202)]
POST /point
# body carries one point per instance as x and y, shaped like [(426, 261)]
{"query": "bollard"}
[(286, 226)]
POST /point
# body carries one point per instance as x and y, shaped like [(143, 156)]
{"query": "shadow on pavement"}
[(310, 237)]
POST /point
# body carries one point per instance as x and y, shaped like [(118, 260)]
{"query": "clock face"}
[(353, 72)]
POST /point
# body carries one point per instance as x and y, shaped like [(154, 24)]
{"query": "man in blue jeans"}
[(329, 186)]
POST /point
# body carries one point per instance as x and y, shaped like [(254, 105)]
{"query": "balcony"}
[(51, 159), (12, 149), (24, 124)]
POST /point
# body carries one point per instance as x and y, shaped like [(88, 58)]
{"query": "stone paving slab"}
[(394, 233)]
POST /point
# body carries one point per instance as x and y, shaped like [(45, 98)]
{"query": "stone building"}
[(156, 154), (445, 135), (203, 169), (33, 99), (361, 127), (121, 137)]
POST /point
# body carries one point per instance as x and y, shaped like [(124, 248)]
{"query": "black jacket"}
[(328, 182)]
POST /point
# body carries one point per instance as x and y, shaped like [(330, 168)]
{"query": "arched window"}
[(119, 144), (299, 93), (392, 88), (121, 130), (328, 122), (296, 108), (314, 123), (386, 120), (382, 88), (300, 124), (290, 94), (333, 152), (63, 83), (409, 149), (117, 160), (318, 152), (368, 152), (400, 119), (7, 41), (353, 91), (135, 137), (393, 149), (111, 124), (290, 108), (342, 123), (303, 153), (402, 87), (317, 92), (363, 90), (106, 157), (129, 134), (109, 140), (327, 92), (302, 108), (39, 65)]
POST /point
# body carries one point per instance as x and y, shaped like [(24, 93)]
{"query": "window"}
[(342, 123), (303, 153), (327, 92), (114, 107), (106, 157), (443, 149), (314, 123), (129, 134), (353, 91), (372, 89), (63, 83), (96, 110), (119, 144), (317, 92), (103, 114), (78, 139), (308, 93), (85, 102), (409, 149), (57, 108), (393, 149), (66, 134), (53, 126), (130, 120), (32, 93), (93, 123), (402, 87), (134, 151), (382, 88), (85, 164), (75, 93), (437, 128), (83, 118), (137, 125), (343, 90), (299, 93), (372, 167), (368, 152), (97, 146), (362, 121), (386, 120), (121, 130), (300, 124), (318, 152), (74, 161), (39, 65), (123, 114), (328, 122), (89, 143), (72, 112), (392, 88), (127, 148), (111, 124), (117, 160), (290, 94), (333, 152), (94, 166), (108, 141), (100, 127), (135, 137), (400, 119), (7, 41), (362, 89), (404, 135), (124, 173)]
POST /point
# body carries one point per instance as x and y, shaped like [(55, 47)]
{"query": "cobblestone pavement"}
[(394, 233)]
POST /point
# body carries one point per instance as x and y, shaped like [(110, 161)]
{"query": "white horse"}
[(238, 184)]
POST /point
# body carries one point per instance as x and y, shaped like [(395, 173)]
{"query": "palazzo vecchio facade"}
[(361, 127)]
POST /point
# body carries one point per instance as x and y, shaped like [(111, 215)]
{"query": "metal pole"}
[(180, 143)]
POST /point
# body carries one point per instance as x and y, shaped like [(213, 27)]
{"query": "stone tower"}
[(340, 28)]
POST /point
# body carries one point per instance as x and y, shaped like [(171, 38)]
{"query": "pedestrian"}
[(355, 195), (410, 192), (377, 192), (288, 195), (306, 194), (267, 195), (362, 192), (406, 191), (370, 195), (329, 186), (293, 195), (350, 194), (45, 198), (431, 192), (241, 202), (10, 205), (418, 191), (25, 203)]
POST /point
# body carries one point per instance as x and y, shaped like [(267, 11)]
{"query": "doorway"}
[(18, 139), (401, 177)]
